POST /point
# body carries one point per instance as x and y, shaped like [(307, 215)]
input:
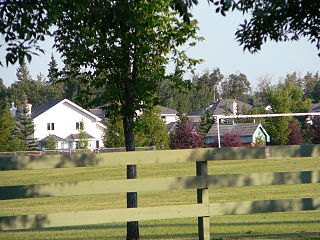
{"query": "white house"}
[(168, 115), (61, 119)]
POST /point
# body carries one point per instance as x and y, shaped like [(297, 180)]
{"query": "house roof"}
[(243, 129), (38, 110), (55, 138), (315, 107), (171, 127), (166, 110), (72, 137), (219, 107)]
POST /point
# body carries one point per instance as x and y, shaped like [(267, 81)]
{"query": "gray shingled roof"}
[(72, 137), (243, 129), (219, 107), (37, 110), (55, 138), (99, 113), (166, 110), (315, 107)]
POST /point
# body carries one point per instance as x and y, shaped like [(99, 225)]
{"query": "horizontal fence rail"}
[(203, 209)]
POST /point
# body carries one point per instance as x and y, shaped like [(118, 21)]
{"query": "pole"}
[(218, 131)]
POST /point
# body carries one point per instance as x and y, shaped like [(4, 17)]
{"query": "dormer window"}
[(50, 126)]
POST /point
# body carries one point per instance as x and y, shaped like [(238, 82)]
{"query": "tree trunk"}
[(132, 197)]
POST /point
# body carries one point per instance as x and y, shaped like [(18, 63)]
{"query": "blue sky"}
[(219, 49)]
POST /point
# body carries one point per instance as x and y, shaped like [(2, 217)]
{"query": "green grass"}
[(257, 226), (283, 226)]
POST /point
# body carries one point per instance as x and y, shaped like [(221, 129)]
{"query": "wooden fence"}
[(201, 182)]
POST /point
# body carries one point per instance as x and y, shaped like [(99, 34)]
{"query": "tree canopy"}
[(274, 20)]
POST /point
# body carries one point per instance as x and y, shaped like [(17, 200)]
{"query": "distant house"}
[(61, 119), (168, 115), (221, 107), (248, 132)]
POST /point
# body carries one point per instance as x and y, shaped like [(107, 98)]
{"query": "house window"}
[(97, 144), (50, 126), (79, 125)]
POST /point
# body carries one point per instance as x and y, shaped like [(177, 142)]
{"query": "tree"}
[(7, 126), (310, 90), (295, 136), (185, 137), (231, 139), (151, 130), (206, 122), (50, 144), (53, 71), (260, 95), (113, 136), (25, 129), (83, 137), (236, 86), (285, 98), (314, 131), (121, 47), (274, 20), (3, 94)]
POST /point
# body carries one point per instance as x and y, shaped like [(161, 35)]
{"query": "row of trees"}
[(213, 85), (37, 91)]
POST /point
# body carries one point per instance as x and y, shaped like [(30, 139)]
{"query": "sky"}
[(219, 50)]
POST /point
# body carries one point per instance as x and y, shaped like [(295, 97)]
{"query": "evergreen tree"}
[(7, 126), (113, 136), (25, 129), (23, 74), (3, 94), (53, 71), (151, 130), (50, 145), (206, 122), (83, 137)]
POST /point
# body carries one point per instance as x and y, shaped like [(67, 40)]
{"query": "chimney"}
[(234, 108), (29, 108), (13, 110)]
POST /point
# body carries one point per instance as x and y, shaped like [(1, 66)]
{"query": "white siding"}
[(64, 116)]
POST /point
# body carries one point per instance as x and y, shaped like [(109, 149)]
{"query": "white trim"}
[(74, 105)]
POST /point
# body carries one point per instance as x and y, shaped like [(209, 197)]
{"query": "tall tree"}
[(285, 98), (260, 95), (3, 94), (151, 130), (236, 86), (7, 126), (274, 20), (122, 45), (25, 128)]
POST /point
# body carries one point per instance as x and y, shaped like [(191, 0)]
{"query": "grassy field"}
[(293, 225)]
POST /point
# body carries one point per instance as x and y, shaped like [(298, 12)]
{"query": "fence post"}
[(203, 198)]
